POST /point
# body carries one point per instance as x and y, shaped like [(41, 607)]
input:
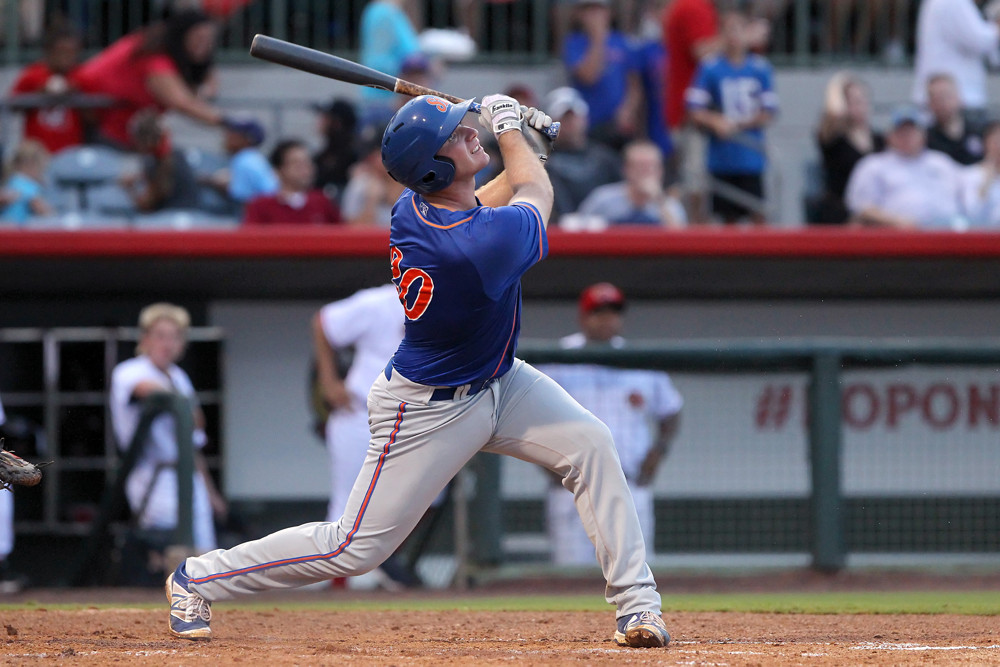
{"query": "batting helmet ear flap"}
[(414, 136)]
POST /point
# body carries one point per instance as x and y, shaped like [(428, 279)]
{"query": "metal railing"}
[(804, 32), (827, 508)]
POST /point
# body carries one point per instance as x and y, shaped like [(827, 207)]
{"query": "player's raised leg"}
[(541, 423)]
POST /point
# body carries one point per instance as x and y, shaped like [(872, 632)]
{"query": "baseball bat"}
[(327, 65)]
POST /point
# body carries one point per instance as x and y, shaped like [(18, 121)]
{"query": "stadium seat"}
[(110, 198), (204, 163), (80, 168), (184, 219), (78, 220)]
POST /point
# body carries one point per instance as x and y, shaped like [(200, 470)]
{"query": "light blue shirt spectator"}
[(387, 38), (25, 189), (250, 175)]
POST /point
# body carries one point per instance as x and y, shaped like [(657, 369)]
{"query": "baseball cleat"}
[(642, 630), (189, 612)]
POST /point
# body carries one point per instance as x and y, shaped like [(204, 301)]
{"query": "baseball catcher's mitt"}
[(16, 471)]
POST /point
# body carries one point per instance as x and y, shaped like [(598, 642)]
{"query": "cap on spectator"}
[(246, 126), (563, 100), (907, 113), (415, 62), (599, 296)]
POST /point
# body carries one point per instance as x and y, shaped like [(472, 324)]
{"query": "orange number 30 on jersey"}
[(404, 281)]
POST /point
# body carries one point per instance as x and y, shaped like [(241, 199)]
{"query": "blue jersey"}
[(739, 91), (458, 274)]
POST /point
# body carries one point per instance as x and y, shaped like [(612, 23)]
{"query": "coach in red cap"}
[(601, 307)]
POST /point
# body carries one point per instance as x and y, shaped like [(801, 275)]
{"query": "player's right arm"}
[(524, 175)]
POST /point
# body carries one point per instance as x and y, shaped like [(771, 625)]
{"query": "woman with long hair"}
[(167, 65)]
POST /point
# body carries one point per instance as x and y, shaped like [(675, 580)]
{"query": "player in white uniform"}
[(7, 583), (641, 407), (453, 387), (151, 487)]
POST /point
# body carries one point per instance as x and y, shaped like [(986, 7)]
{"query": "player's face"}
[(463, 148), (163, 343), (602, 325)]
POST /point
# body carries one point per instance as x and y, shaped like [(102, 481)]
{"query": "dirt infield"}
[(138, 636), (43, 632)]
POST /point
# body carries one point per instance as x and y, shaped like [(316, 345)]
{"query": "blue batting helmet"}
[(414, 135)]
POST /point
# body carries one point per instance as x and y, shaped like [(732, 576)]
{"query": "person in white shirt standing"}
[(151, 487), (640, 407), (954, 38), (906, 186), (8, 584)]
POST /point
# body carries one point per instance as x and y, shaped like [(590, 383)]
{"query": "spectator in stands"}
[(166, 180), (845, 135), (166, 66), (296, 201), (387, 38), (954, 38), (733, 99), (641, 199), (602, 65), (338, 125), (21, 195), (151, 487), (249, 174), (58, 126), (906, 186), (980, 184), (577, 165), (690, 34), (371, 192), (951, 132)]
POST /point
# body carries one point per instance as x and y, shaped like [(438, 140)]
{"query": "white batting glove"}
[(500, 114), (536, 118)]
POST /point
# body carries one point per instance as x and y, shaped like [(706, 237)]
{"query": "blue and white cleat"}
[(642, 630), (190, 613)]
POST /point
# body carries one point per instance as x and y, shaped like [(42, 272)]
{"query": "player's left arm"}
[(667, 429)]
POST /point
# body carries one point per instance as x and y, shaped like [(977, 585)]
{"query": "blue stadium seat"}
[(80, 168), (78, 220)]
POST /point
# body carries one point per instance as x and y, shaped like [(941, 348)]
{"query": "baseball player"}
[(453, 387), (641, 407), (151, 487)]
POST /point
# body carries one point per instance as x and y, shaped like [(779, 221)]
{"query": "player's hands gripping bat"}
[(534, 128)]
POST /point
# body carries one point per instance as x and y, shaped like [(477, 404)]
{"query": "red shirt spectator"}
[(299, 208), (689, 30), (119, 72), (295, 202), (167, 65), (59, 126), (54, 127)]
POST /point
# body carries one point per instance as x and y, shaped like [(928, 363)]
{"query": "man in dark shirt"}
[(578, 165), (951, 131)]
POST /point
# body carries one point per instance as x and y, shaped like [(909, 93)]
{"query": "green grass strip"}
[(979, 603)]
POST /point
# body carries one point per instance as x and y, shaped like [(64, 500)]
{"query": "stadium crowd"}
[(664, 122)]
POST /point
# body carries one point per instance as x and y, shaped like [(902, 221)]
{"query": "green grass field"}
[(979, 603)]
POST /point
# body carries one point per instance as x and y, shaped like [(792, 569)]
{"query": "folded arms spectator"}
[(951, 131)]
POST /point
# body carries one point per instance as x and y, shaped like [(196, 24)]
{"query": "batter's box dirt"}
[(279, 637)]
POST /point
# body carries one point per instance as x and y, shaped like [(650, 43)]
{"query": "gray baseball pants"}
[(417, 446)]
